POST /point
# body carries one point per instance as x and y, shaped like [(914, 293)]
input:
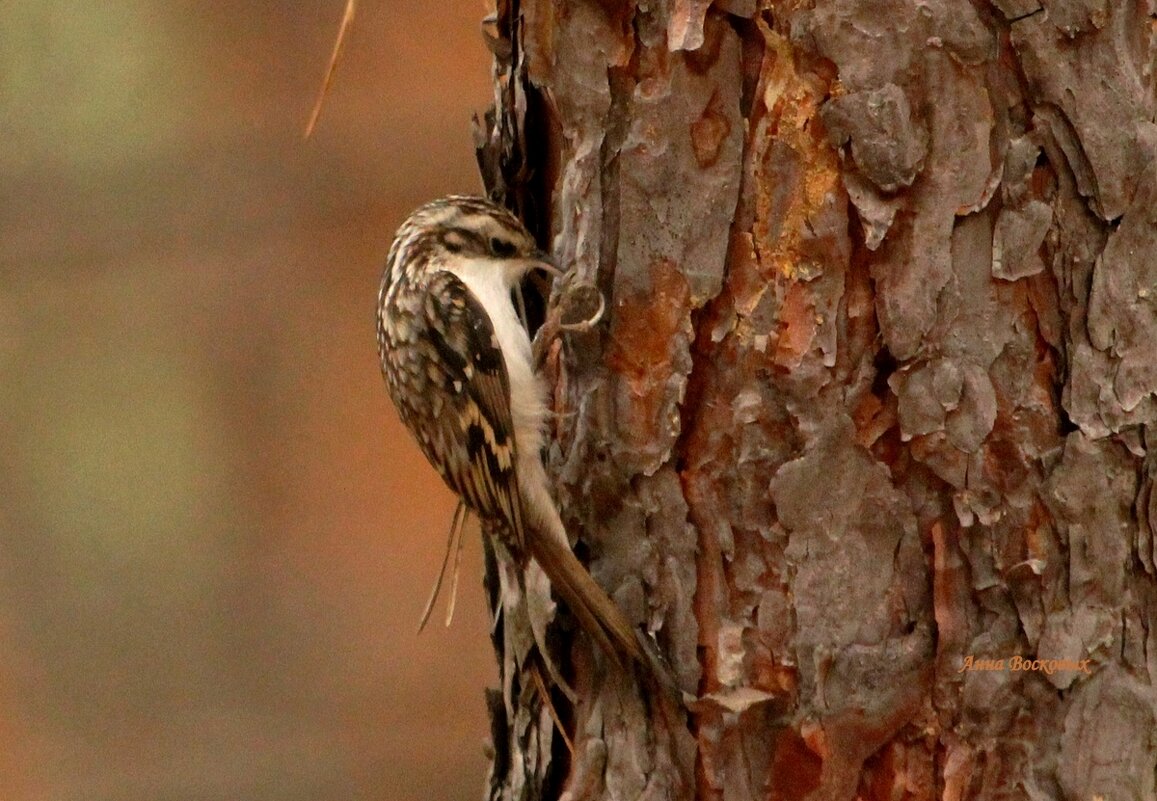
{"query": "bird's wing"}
[(476, 421)]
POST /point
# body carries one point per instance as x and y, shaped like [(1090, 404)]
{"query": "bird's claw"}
[(582, 326)]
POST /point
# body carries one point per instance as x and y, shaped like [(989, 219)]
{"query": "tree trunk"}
[(864, 436)]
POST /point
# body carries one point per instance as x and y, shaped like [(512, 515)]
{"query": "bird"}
[(458, 364)]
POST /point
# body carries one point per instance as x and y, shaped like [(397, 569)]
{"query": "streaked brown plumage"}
[(458, 365)]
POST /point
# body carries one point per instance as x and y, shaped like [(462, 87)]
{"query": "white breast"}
[(527, 392)]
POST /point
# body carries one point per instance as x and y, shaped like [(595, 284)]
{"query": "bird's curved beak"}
[(541, 260)]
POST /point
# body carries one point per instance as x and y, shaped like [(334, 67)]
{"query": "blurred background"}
[(215, 537)]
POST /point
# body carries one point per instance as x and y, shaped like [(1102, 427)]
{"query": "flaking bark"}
[(873, 397)]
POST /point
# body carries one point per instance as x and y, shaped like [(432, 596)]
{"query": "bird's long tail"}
[(598, 615)]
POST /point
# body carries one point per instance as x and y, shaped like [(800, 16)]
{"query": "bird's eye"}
[(502, 248)]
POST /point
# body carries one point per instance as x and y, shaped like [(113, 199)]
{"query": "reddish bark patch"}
[(798, 326), (645, 324), (651, 321), (795, 769)]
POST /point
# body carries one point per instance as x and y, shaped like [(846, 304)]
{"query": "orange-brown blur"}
[(215, 537)]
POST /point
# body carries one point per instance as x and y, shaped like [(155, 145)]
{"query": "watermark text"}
[(1019, 663)]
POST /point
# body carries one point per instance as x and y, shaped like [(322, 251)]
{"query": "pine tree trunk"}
[(864, 437)]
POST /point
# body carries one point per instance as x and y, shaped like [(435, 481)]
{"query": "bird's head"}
[(469, 228)]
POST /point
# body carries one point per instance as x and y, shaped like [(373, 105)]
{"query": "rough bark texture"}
[(865, 436)]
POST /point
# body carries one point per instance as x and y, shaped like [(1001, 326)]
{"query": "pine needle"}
[(346, 20), (456, 525), (457, 564)]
